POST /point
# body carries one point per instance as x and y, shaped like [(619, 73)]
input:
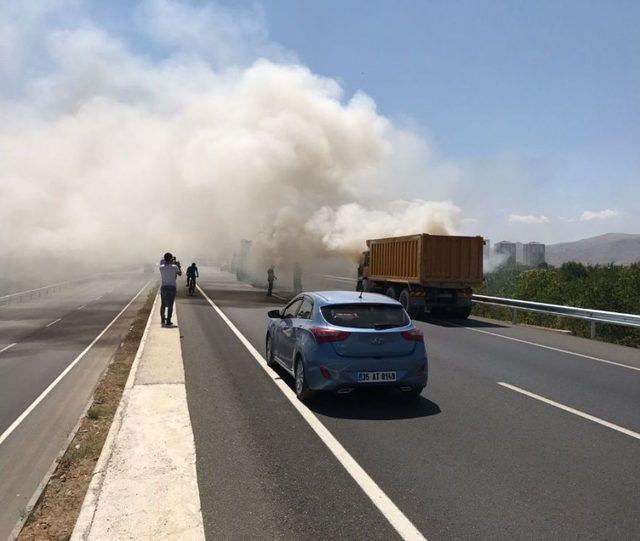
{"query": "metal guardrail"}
[(30, 293), (594, 316), (19, 296)]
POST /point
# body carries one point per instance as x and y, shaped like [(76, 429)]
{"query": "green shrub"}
[(614, 288)]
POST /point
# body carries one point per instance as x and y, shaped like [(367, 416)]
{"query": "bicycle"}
[(191, 284)]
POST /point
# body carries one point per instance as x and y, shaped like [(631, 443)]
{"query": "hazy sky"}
[(548, 90), (529, 111)]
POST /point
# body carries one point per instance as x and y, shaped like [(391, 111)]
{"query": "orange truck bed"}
[(429, 260)]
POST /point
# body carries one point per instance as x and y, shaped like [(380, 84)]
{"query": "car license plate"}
[(376, 377)]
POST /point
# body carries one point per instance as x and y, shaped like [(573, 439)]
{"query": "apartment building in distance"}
[(508, 251), (533, 254)]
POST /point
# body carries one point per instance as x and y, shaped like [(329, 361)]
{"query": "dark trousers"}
[(167, 296), (270, 288)]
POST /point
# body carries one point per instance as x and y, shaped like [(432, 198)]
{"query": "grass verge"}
[(55, 514)]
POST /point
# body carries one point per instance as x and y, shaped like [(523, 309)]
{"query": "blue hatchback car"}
[(340, 340)]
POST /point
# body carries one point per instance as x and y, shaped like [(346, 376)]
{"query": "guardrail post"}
[(593, 330), (514, 316)]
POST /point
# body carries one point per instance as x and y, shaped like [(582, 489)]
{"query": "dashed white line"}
[(579, 413), (98, 298), (55, 382), (54, 322), (5, 348), (559, 350), (389, 510), (81, 307)]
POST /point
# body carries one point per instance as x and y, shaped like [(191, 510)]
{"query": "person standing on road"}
[(297, 279), (271, 276), (169, 272)]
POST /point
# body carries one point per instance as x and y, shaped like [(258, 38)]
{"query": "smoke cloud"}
[(343, 228), (112, 156)]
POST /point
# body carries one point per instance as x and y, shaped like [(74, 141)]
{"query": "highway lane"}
[(43, 350), (41, 354), (262, 472), (472, 459), (20, 318)]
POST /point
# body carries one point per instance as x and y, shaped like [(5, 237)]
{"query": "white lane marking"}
[(98, 298), (54, 322), (637, 368), (389, 510), (5, 348), (579, 413), (81, 307), (55, 382)]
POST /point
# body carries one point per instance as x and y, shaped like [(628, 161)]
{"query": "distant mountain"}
[(620, 248)]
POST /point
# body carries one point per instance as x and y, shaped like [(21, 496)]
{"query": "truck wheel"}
[(413, 309), (462, 312), (391, 292)]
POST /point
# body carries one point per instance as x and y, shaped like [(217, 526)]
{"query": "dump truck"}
[(433, 273)]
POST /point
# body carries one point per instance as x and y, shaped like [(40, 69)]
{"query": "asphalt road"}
[(472, 459), (48, 332)]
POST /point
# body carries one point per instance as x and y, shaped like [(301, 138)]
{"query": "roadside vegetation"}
[(614, 288), (55, 514)]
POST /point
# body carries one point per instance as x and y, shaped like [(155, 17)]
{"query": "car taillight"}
[(414, 335), (323, 335)]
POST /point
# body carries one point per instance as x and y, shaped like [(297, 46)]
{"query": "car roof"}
[(350, 297)]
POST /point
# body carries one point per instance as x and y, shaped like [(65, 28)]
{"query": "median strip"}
[(144, 485)]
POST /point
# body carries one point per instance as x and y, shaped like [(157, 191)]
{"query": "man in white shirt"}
[(169, 272)]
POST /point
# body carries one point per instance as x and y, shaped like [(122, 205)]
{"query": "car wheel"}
[(302, 390), (269, 352)]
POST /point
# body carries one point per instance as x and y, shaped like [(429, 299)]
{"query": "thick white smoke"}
[(110, 156), (343, 228)]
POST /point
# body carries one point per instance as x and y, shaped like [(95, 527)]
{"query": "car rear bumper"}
[(334, 375)]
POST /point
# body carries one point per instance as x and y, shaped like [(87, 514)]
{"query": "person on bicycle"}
[(192, 274)]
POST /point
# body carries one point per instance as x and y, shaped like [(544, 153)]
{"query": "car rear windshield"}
[(366, 316)]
